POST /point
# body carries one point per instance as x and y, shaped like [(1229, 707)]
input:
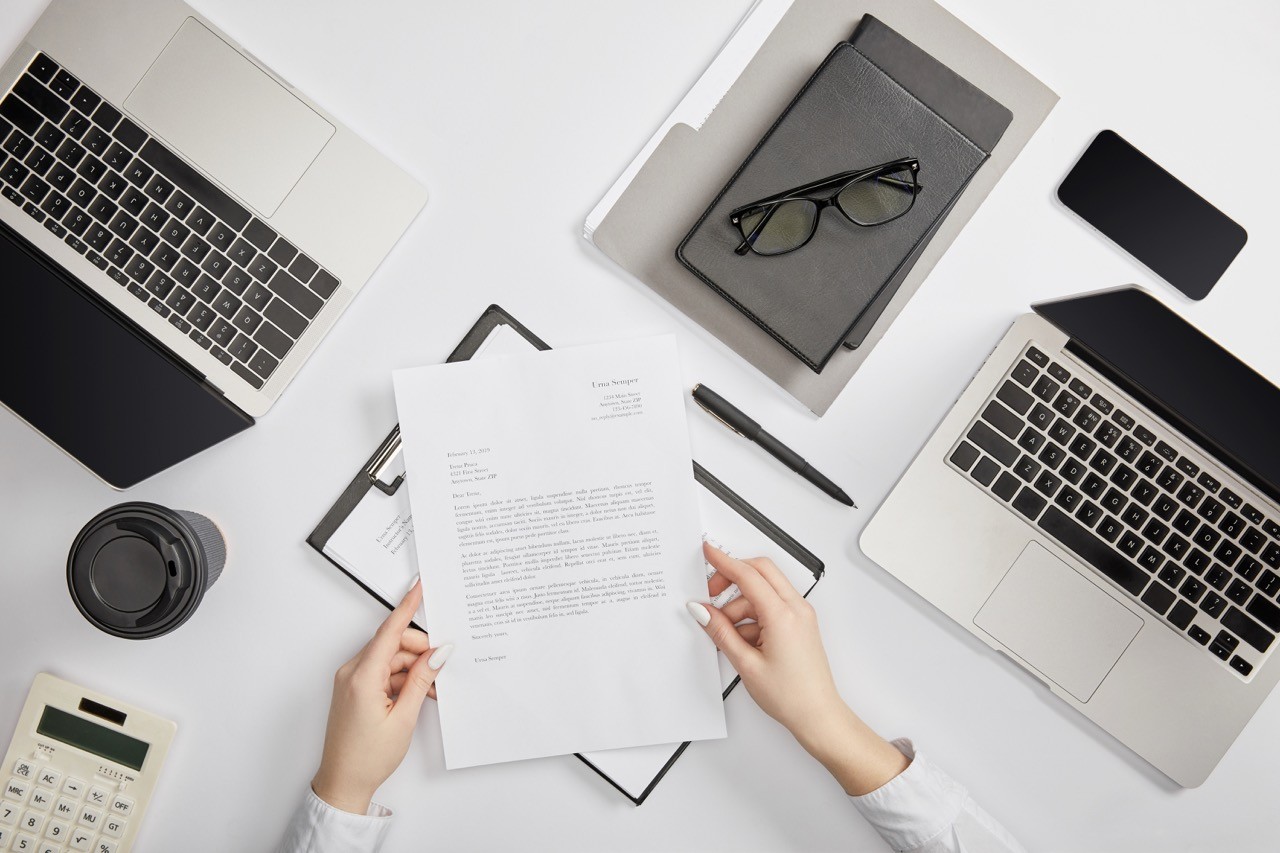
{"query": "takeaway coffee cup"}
[(139, 570)]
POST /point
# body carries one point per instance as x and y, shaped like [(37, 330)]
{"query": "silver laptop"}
[(185, 227), (1101, 506)]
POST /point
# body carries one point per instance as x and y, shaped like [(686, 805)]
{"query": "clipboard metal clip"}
[(380, 460)]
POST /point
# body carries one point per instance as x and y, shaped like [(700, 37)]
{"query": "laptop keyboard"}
[(1130, 499), (155, 225)]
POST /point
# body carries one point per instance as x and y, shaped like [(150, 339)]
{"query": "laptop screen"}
[(91, 382), (1215, 399)]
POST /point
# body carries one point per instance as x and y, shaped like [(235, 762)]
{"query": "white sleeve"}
[(317, 827), (923, 810)]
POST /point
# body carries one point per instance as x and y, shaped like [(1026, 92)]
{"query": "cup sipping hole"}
[(173, 569)]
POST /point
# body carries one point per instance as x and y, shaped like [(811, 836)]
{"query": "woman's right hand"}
[(783, 665)]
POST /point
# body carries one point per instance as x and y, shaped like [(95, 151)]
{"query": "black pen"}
[(733, 417)]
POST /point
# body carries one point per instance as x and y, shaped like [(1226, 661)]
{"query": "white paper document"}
[(564, 542)]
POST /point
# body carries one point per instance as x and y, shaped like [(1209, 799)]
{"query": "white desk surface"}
[(518, 116)]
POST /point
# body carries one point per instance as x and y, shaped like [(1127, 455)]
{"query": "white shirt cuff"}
[(318, 827), (916, 806)]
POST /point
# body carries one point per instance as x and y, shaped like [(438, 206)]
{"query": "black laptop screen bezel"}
[(92, 381), (1181, 374)]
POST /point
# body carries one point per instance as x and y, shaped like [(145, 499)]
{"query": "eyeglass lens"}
[(875, 200)]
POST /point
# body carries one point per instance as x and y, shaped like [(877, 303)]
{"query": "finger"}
[(750, 631), (780, 583), (717, 584), (387, 639), (739, 652), (739, 609), (402, 660), (753, 585), (419, 681), (396, 684), (413, 640)]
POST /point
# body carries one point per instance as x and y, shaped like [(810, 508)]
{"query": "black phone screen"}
[(1152, 215)]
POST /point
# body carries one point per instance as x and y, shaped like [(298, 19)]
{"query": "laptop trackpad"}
[(228, 118), (1059, 622)]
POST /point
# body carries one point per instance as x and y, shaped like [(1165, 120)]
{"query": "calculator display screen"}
[(91, 737)]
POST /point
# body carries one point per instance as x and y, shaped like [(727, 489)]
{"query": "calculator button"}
[(74, 787), (8, 814), (24, 843), (32, 822), (24, 768), (99, 796), (114, 826), (65, 808), (5, 835), (58, 830), (104, 846), (16, 790), (42, 799), (90, 817), (122, 805), (49, 777), (50, 848), (81, 840)]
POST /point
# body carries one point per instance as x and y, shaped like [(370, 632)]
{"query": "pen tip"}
[(845, 499)]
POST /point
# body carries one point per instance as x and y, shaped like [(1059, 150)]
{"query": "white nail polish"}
[(439, 656), (700, 614)]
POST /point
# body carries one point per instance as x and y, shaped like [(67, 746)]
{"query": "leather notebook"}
[(851, 114)]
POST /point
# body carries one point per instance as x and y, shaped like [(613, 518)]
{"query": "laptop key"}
[(1145, 435), (159, 284), (1114, 501), (1176, 547), (1172, 575), (1265, 612), (1061, 431), (1155, 531), (159, 188), (226, 304), (1227, 552), (1169, 480), (201, 317), (1025, 373), (91, 168), (75, 124), (258, 296), (1150, 559), (1093, 485), (1047, 484), (20, 114), (263, 268), (166, 257), (1198, 634), (222, 332), (1123, 476), (263, 364), (1217, 577), (1090, 549), (1110, 529), (1144, 493), (247, 375), (54, 228), (39, 160), (223, 356), (241, 252), (1197, 561), (1246, 629), (196, 185), (1181, 615), (1029, 503), (1067, 403), (1088, 513), (1068, 499), (236, 280), (1158, 598), (1103, 462), (1249, 569), (260, 234), (1190, 494), (985, 471), (247, 320), (39, 96), (1213, 604), (200, 339), (179, 204), (242, 347), (64, 84), (294, 325), (308, 304), (1206, 537), (1045, 388), (1009, 394), (133, 201), (43, 68), (159, 307), (1130, 543), (71, 153), (1252, 513), (1052, 455), (195, 248), (1031, 439), (1239, 591), (1191, 590), (1232, 525), (1134, 516), (180, 300), (1027, 468), (129, 134), (221, 236), (1241, 665), (144, 241), (324, 284), (1211, 510), (139, 268), (34, 212), (1186, 523), (303, 268), (274, 340), (1006, 487), (1072, 471), (964, 456)]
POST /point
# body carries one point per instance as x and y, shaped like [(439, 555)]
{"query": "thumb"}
[(419, 680), (726, 637)]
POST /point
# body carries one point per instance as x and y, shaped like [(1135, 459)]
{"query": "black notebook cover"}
[(851, 114)]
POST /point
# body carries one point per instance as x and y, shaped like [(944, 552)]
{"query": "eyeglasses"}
[(787, 221)]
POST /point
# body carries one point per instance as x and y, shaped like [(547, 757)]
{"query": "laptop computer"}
[(179, 228), (1102, 507)]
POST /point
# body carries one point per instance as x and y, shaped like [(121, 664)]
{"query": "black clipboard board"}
[(370, 477)]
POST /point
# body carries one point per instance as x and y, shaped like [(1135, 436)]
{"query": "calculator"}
[(79, 771)]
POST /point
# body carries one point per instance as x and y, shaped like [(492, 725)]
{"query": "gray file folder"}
[(690, 165)]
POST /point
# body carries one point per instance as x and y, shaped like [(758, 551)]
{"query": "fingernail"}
[(700, 614), (439, 656)]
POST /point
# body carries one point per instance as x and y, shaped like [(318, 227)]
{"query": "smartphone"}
[(1152, 215)]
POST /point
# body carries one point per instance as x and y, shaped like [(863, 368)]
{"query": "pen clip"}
[(704, 408)]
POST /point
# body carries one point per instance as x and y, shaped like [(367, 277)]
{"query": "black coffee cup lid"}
[(137, 570)]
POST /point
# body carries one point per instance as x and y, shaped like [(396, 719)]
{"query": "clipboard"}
[(374, 476)]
